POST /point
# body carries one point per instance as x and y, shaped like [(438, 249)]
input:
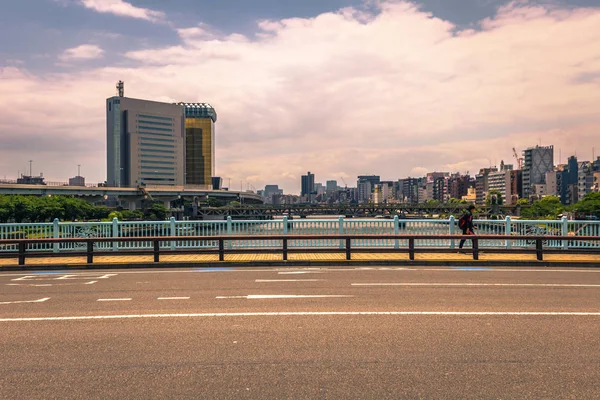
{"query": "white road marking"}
[(54, 277), (324, 269), (318, 313), (281, 296), (50, 284), (477, 284), (288, 280), (26, 301), (173, 298), (23, 278), (299, 272), (123, 299), (29, 284)]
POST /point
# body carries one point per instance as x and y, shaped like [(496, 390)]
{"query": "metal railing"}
[(281, 244), (186, 233)]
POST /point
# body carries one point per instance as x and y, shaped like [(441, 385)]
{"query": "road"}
[(323, 333)]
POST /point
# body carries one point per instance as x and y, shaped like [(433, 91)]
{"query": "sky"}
[(339, 88)]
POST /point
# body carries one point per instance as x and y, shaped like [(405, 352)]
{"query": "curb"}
[(303, 263)]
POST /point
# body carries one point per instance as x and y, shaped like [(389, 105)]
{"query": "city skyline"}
[(343, 89)]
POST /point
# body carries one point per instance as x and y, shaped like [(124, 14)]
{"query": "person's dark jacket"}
[(468, 217)]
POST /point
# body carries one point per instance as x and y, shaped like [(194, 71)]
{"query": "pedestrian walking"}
[(466, 224)]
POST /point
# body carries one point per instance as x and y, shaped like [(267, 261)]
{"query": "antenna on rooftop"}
[(121, 88)]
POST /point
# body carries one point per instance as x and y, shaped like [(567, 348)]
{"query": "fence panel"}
[(27, 231), (84, 230), (199, 228), (143, 229)]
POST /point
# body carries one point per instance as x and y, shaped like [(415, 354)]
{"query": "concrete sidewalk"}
[(486, 258)]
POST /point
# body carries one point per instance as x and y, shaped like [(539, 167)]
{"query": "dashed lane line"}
[(282, 296), (318, 313), (122, 299), (173, 298), (26, 301), (288, 280), (458, 284)]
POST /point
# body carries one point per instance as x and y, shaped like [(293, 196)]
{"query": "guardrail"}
[(222, 247), (185, 231)]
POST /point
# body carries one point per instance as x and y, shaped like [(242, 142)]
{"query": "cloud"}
[(82, 52), (393, 92), (123, 9)]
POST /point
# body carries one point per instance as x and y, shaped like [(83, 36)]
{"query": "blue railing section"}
[(262, 229)]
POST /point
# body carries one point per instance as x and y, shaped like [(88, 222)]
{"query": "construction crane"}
[(345, 184), (519, 159)]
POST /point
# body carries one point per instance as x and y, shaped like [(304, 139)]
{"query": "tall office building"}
[(145, 142), (331, 186), (537, 161), (307, 185), (200, 121)]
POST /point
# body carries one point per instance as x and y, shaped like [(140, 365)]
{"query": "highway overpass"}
[(132, 195)]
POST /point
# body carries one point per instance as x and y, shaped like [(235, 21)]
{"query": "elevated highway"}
[(131, 194)]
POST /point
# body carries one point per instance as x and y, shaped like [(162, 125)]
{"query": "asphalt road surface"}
[(322, 333)]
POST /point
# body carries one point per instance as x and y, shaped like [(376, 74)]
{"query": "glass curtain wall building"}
[(145, 143), (200, 121)]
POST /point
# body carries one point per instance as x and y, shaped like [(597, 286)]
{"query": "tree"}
[(158, 211), (494, 197), (523, 202), (589, 205), (547, 208)]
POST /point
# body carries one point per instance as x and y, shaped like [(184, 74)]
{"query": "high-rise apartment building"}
[(537, 161), (145, 142), (500, 181), (200, 121), (482, 184)]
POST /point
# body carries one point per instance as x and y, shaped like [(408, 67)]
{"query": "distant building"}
[(458, 186), (471, 196), (537, 161), (585, 179), (272, 193), (200, 119), (31, 180), (500, 181), (482, 184), (365, 188), (217, 183), (77, 181), (410, 190), (331, 186), (372, 180), (307, 186), (516, 186), (145, 142)]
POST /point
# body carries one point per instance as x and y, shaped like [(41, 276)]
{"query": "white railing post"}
[(396, 231), (508, 230), (229, 230), (341, 230), (565, 232), (173, 231), (452, 230), (115, 233), (56, 229)]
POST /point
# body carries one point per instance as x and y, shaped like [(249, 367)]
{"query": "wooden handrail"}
[(221, 239)]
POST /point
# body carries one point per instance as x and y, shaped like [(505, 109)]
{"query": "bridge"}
[(133, 195), (353, 211)]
